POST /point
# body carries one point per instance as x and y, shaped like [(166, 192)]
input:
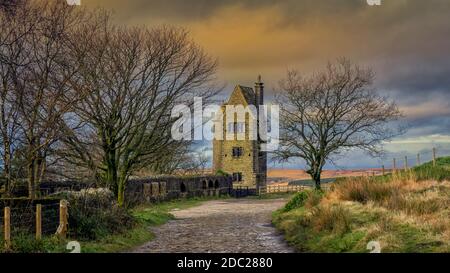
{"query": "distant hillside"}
[(404, 212), (300, 177)]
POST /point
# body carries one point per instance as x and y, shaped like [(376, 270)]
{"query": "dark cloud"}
[(406, 42), (182, 10)]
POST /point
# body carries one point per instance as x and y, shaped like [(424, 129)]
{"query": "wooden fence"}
[(281, 189), (405, 163), (8, 224)]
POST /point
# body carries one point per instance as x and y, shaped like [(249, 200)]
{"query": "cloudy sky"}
[(406, 42)]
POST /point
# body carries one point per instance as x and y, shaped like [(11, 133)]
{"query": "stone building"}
[(242, 158)]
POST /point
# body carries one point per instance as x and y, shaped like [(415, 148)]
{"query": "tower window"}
[(236, 127), (240, 127), (237, 177), (238, 151)]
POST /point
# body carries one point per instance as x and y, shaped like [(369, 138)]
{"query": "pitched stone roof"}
[(248, 93)]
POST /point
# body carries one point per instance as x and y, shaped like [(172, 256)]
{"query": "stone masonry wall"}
[(167, 188)]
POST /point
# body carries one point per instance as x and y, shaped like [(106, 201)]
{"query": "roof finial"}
[(259, 78)]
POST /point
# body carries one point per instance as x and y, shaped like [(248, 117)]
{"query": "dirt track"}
[(234, 225)]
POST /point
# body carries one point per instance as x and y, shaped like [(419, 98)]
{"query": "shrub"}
[(92, 223), (94, 213), (297, 201), (314, 198), (221, 172), (304, 198)]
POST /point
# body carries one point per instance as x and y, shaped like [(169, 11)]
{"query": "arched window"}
[(204, 185), (216, 184), (210, 184)]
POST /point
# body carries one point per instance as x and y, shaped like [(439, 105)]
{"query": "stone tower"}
[(242, 158)]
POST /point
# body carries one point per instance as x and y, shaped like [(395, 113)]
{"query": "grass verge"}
[(406, 212), (146, 216)]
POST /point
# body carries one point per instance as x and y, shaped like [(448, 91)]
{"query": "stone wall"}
[(153, 189), (156, 189)]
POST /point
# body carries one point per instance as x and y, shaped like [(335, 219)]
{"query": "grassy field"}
[(310, 182), (405, 212)]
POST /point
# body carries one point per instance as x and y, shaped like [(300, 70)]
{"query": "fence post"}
[(406, 163), (434, 157), (383, 171), (395, 165), (38, 221), (62, 229), (418, 159), (7, 227)]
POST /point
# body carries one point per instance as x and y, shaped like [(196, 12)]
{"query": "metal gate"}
[(240, 192)]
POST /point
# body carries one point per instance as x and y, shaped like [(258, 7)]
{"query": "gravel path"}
[(234, 225)]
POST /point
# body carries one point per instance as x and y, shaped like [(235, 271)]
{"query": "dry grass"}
[(364, 189), (409, 196), (314, 199), (334, 218), (404, 212), (416, 205)]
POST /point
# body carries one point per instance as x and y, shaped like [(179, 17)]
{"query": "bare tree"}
[(12, 60), (35, 74), (77, 88), (17, 26), (130, 79), (180, 159), (11, 6), (331, 112)]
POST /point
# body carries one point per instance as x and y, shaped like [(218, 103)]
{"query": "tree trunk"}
[(31, 182), (112, 178), (121, 192), (315, 173), (37, 166), (7, 170), (6, 147), (316, 178), (123, 177)]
